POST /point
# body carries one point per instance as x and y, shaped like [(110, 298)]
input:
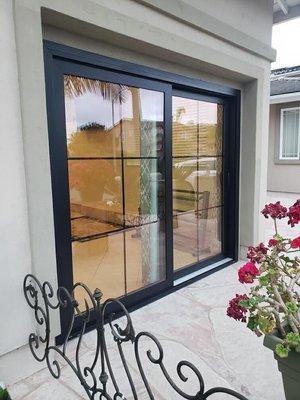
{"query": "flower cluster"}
[(274, 211), (272, 243), (235, 310), (248, 272), (295, 243), (294, 213), (273, 300), (257, 254)]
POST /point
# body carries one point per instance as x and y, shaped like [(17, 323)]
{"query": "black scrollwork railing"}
[(95, 377)]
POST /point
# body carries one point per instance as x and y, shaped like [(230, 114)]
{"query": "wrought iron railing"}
[(94, 377)]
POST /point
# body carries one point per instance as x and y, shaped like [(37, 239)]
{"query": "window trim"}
[(281, 157)]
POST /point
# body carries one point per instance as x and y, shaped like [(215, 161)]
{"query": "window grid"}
[(282, 155)]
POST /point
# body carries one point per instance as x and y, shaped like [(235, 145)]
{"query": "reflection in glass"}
[(138, 255), (197, 180), (100, 261), (115, 139), (197, 127)]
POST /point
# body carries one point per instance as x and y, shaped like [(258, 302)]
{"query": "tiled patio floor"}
[(192, 325)]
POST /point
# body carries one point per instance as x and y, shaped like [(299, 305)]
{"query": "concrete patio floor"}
[(192, 325)]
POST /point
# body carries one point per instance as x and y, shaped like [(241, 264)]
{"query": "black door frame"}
[(59, 60)]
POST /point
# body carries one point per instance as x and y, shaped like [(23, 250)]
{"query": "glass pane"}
[(197, 180), (144, 189), (185, 235), (115, 137), (290, 134), (210, 238), (196, 183), (91, 127), (143, 131), (145, 255), (100, 263), (96, 190), (197, 128)]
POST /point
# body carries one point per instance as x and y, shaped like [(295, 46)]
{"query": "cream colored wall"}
[(282, 176), (15, 257), (251, 17), (127, 30)]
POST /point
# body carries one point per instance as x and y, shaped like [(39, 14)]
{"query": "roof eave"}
[(285, 98)]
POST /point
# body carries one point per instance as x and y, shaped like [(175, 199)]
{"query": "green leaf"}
[(3, 394), (266, 324), (254, 301), (291, 306), (252, 322), (293, 339), (264, 280), (250, 303), (281, 350), (272, 271), (245, 303)]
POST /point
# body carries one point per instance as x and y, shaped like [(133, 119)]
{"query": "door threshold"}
[(201, 271)]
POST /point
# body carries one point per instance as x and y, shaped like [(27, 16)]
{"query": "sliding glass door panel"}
[(197, 163), (116, 172)]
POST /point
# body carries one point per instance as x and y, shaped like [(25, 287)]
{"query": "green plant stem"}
[(293, 323), (277, 319), (275, 225)]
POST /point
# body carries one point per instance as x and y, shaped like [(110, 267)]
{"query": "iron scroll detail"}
[(99, 378)]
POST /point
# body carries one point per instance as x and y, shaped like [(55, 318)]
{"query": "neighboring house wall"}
[(283, 175), (213, 41)]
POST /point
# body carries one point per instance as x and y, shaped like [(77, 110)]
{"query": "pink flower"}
[(274, 210), (272, 242), (294, 214), (234, 310), (295, 244), (257, 254), (248, 272)]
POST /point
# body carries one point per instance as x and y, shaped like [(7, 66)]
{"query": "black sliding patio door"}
[(144, 166)]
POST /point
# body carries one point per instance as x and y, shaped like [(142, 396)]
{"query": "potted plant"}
[(272, 305), (4, 392)]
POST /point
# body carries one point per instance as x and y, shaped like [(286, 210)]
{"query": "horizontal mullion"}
[(200, 156), (194, 192), (193, 211), (110, 233), (95, 236), (115, 158)]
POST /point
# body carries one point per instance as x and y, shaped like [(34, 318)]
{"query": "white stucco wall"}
[(128, 30)]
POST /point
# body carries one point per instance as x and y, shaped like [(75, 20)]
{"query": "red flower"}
[(295, 244), (257, 254), (294, 214), (272, 242), (234, 310), (248, 272), (274, 210)]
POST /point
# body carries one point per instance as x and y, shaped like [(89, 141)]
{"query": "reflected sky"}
[(92, 107)]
